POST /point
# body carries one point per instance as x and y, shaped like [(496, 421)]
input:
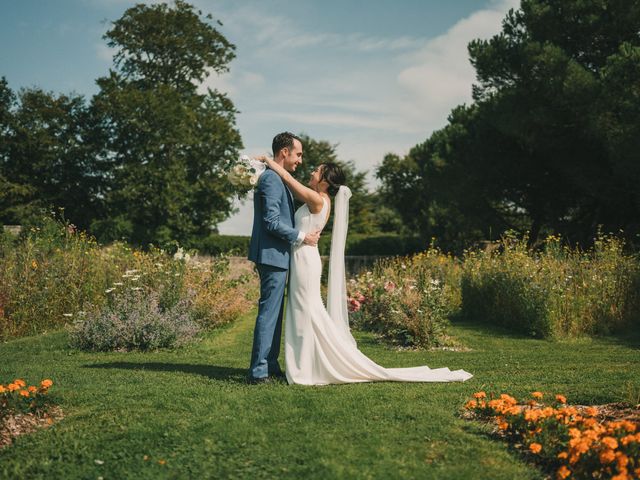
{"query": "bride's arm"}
[(303, 193)]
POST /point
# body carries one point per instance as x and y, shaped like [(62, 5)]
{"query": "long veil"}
[(337, 286)]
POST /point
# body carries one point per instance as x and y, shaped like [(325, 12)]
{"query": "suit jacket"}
[(273, 221)]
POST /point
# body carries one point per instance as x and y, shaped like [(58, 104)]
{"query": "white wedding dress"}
[(319, 347)]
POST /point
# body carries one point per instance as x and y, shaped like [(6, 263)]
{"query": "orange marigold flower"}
[(563, 472), (548, 412), (621, 476), (561, 398), (589, 422), (471, 404), (480, 395), (582, 446), (629, 426), (13, 387), (32, 389), (46, 383), (2, 389), (532, 415), (535, 447), (515, 410), (591, 411), (24, 393), (563, 455), (537, 395), (503, 425), (508, 399), (637, 472), (627, 439), (621, 460), (20, 382), (610, 442), (607, 456)]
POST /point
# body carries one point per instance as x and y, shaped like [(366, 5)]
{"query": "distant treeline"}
[(357, 244)]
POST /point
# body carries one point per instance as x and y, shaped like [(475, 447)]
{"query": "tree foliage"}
[(167, 144), (550, 142), (45, 156), (143, 160)]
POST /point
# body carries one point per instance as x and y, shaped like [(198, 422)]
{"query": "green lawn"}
[(192, 409)]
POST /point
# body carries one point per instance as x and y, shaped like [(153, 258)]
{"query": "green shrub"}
[(408, 301), (376, 245), (558, 292)]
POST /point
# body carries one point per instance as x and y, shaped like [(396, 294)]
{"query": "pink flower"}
[(389, 286), (359, 297), (354, 305)]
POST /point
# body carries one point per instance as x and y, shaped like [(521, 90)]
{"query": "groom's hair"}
[(333, 174), (283, 140)]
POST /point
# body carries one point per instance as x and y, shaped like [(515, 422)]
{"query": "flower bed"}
[(571, 441), (24, 407)]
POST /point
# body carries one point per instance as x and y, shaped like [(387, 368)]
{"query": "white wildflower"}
[(67, 314), (109, 290)]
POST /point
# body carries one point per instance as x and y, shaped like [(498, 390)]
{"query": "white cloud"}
[(440, 75), (232, 83), (370, 95)]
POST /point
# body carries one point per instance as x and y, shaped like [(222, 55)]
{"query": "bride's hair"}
[(333, 174)]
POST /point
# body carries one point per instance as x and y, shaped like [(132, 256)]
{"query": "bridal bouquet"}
[(246, 172)]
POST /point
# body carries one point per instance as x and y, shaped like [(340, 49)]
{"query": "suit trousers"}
[(268, 329)]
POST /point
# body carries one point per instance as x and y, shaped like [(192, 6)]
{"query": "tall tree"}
[(45, 161), (165, 142), (549, 142)]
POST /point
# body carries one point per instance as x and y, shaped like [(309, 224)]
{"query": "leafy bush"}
[(134, 321), (382, 245), (406, 300), (557, 292)]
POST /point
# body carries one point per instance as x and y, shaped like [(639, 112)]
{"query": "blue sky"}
[(372, 76)]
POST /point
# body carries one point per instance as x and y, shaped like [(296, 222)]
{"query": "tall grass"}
[(52, 275), (556, 292)]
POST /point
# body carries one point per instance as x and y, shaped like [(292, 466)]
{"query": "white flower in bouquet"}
[(246, 172)]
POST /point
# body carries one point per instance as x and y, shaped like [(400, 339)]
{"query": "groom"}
[(271, 240)]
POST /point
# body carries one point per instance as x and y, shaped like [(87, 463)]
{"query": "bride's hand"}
[(262, 158)]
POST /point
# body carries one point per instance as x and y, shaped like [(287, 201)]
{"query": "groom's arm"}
[(270, 191)]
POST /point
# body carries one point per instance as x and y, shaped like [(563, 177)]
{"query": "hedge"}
[(387, 245)]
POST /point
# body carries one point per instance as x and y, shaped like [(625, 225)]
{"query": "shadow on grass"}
[(489, 330), (235, 375), (630, 339)]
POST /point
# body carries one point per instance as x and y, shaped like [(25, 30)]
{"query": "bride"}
[(319, 347)]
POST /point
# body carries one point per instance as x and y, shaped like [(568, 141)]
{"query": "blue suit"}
[(271, 240)]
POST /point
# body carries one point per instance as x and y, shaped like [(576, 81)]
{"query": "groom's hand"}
[(311, 238)]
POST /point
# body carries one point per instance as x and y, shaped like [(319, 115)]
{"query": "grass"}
[(191, 409)]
